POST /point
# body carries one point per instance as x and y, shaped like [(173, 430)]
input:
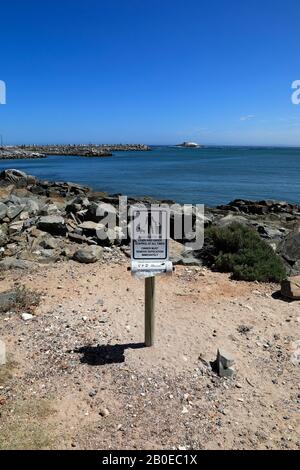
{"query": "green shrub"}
[(240, 250)]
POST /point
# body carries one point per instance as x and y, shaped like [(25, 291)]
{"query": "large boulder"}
[(31, 206), (289, 249), (290, 288), (49, 209), (78, 204), (53, 224), (268, 232), (13, 211), (17, 176), (98, 211), (88, 254), (231, 219)]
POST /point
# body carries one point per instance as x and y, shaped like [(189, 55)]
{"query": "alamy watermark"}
[(296, 93), (186, 222), (2, 92)]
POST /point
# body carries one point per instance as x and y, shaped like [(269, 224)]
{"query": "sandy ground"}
[(79, 376)]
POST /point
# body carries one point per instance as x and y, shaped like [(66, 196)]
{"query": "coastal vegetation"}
[(240, 250)]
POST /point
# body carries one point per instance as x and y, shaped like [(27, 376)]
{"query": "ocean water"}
[(211, 175)]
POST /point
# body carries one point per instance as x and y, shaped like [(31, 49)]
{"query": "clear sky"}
[(150, 71)]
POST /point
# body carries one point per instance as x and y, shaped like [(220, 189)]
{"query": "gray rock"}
[(89, 254), (49, 243), (89, 227), (223, 364), (98, 211), (290, 288), (3, 210), (15, 200), (270, 232), (12, 175), (290, 247), (49, 209), (295, 358), (225, 358), (14, 211), (296, 268), (53, 224), (7, 300), (24, 215), (2, 353), (77, 204), (106, 236), (15, 227), (32, 206), (3, 237), (75, 237), (30, 222), (46, 253), (13, 263), (231, 219)]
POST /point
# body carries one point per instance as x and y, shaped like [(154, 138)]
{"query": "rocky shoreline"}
[(43, 221), (41, 151), (18, 154)]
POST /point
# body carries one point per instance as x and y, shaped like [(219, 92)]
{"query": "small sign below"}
[(150, 249)]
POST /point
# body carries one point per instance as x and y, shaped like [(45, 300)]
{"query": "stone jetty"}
[(41, 151), (13, 153)]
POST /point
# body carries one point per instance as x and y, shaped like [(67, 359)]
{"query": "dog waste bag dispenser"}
[(150, 228)]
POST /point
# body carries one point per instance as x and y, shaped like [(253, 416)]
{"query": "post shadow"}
[(278, 296), (106, 354)]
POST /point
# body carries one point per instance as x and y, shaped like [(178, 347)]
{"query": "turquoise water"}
[(212, 175)]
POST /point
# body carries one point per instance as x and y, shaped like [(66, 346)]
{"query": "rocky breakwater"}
[(42, 221), (84, 150), (12, 153)]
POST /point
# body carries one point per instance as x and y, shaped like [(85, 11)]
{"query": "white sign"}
[(150, 250), (150, 241), (150, 234)]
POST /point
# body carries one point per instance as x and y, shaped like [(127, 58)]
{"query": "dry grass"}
[(25, 426), (27, 299), (21, 299)]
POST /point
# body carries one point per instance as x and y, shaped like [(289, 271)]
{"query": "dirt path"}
[(81, 378)]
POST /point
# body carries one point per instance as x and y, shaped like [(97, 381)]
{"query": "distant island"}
[(41, 151), (189, 145)]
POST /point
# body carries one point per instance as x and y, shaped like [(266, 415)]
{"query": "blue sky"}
[(151, 71)]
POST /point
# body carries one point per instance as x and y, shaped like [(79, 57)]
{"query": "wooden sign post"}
[(149, 310), (150, 256)]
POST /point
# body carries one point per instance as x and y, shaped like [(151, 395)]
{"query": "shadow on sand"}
[(106, 354), (278, 296)]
